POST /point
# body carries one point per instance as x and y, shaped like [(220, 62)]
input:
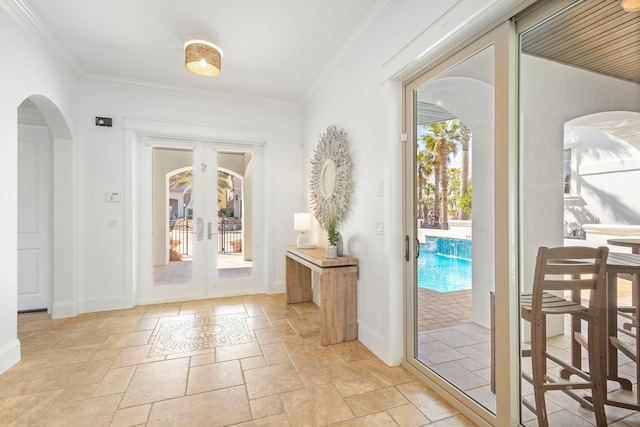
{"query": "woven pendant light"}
[(202, 58)]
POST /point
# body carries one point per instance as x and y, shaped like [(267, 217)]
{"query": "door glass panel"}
[(173, 216), (234, 232), (454, 270), (579, 121)]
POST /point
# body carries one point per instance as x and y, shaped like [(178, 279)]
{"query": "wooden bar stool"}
[(567, 269)]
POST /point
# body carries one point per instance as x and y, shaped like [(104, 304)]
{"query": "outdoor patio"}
[(230, 266), (459, 350)]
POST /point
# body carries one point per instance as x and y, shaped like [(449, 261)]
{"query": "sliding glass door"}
[(457, 161)]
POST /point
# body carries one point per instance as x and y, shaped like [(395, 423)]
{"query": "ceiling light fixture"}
[(202, 58), (631, 5)]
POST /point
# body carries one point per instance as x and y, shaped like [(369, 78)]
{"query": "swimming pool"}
[(444, 264)]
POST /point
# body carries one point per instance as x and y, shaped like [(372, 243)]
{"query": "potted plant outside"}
[(332, 236)]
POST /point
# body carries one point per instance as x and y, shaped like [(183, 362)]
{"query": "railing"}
[(181, 236), (229, 235)]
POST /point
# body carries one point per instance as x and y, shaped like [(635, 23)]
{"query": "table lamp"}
[(302, 223)]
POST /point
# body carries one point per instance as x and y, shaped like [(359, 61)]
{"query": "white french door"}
[(199, 237)]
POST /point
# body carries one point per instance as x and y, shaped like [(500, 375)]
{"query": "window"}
[(568, 181)]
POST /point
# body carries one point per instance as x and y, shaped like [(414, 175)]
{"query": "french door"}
[(199, 231)]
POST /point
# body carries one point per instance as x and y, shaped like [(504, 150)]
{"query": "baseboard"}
[(60, 310), (113, 302), (9, 355), (277, 288), (376, 343)]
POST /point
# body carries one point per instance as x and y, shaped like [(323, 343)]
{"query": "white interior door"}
[(34, 218)]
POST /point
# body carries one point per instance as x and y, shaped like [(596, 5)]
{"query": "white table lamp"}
[(302, 223)]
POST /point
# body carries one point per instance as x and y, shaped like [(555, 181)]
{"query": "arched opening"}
[(45, 209)]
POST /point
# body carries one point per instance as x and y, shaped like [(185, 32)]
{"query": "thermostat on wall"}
[(112, 197)]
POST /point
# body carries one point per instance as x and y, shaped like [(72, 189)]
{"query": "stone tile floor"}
[(251, 361)]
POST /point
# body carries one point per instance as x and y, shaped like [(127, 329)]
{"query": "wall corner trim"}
[(9, 355)]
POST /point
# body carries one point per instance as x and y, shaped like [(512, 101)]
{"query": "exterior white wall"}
[(552, 94), (606, 168)]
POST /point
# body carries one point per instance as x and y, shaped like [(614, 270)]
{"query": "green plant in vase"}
[(331, 224)]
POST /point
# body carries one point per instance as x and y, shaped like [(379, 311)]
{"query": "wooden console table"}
[(338, 290)]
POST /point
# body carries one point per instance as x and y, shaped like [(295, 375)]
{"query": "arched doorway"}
[(45, 209)]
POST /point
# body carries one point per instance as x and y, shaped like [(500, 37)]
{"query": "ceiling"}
[(595, 35), (276, 49), (282, 50)]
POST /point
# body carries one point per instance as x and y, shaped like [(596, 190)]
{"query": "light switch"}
[(112, 197), (380, 188), (380, 228)]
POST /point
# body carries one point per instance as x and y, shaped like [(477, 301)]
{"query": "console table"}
[(338, 290)]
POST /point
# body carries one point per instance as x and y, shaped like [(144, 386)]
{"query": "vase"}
[(331, 252), (339, 245)]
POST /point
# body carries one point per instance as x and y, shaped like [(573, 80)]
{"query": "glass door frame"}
[(503, 38)]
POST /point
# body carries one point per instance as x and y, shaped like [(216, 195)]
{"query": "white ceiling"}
[(276, 49)]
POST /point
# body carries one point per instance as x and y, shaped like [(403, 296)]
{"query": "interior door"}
[(34, 218)]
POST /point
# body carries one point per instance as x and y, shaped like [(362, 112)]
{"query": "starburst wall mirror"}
[(331, 176)]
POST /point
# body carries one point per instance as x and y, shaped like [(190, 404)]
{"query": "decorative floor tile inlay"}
[(180, 336)]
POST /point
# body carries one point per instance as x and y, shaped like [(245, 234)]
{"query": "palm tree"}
[(465, 139), (425, 170), (454, 190), (442, 140), (184, 181)]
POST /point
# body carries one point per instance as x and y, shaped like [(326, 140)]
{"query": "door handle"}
[(199, 228), (209, 231), (417, 247), (406, 248)]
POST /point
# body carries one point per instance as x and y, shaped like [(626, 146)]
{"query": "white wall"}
[(96, 159), (17, 82), (552, 94), (606, 166), (363, 96), (101, 154)]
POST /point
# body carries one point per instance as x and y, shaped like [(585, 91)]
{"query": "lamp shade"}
[(202, 58), (302, 221)]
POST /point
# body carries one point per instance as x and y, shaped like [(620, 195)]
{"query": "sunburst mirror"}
[(331, 176)]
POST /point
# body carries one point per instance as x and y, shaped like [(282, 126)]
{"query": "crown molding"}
[(26, 17), (375, 15), (119, 82)]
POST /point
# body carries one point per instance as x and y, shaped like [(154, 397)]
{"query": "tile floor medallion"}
[(180, 336)]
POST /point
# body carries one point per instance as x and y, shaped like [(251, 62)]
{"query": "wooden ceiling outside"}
[(596, 35)]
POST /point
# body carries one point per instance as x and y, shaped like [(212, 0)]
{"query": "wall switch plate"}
[(112, 197), (380, 188), (380, 228)]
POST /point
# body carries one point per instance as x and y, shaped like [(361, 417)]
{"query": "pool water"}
[(443, 273)]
